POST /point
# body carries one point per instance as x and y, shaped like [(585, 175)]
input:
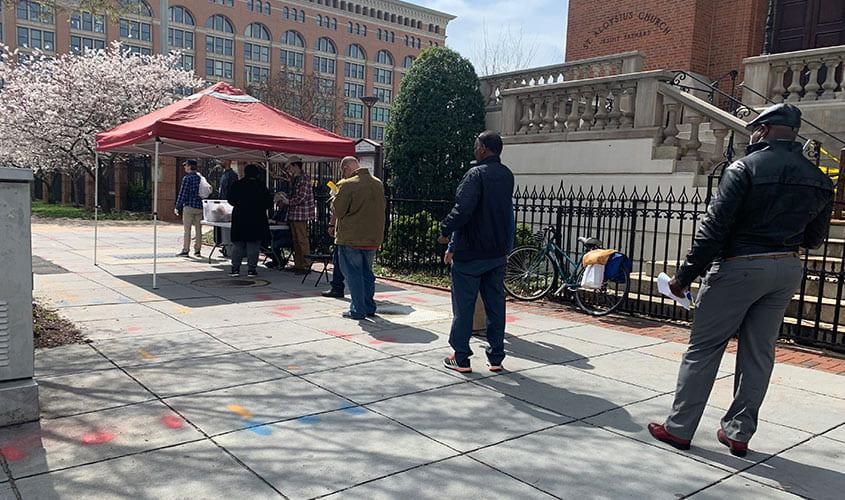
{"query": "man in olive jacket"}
[(359, 209)]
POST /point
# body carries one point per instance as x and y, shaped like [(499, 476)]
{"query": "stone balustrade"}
[(801, 76), (616, 64)]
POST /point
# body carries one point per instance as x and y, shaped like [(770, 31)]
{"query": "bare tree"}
[(507, 50), (306, 96)]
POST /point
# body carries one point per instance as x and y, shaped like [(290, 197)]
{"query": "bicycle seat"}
[(590, 242)]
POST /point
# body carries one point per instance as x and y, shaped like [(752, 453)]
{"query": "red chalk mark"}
[(133, 329), (263, 296), (510, 318), (382, 340), (376, 342), (99, 437), (172, 421), (416, 300), (280, 314), (287, 308), (338, 334), (12, 453)]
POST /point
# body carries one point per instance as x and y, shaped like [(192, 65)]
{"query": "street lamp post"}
[(164, 20), (369, 101)]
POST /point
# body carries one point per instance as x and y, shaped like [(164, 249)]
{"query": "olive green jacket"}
[(359, 209)]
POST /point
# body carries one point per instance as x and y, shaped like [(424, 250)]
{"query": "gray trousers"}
[(248, 248), (740, 297)]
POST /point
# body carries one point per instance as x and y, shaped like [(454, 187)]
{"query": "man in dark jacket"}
[(227, 178), (768, 205), (482, 220), (250, 200)]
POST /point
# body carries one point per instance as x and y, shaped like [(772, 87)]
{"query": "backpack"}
[(205, 188)]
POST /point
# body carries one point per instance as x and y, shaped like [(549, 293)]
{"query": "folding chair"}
[(323, 253)]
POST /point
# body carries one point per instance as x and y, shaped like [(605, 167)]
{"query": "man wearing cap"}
[(768, 204), (189, 204)]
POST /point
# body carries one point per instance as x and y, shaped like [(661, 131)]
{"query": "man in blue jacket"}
[(482, 223)]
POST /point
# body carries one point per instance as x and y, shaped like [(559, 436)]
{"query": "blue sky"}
[(542, 21)]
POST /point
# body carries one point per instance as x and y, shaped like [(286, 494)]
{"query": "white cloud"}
[(542, 22)]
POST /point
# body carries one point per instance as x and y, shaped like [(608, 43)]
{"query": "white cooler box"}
[(216, 211)]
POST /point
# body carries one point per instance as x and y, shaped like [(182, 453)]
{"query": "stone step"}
[(835, 247), (816, 261)]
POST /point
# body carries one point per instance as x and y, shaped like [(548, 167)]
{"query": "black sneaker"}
[(235, 273), (333, 294), (451, 363), (197, 254), (183, 253), (252, 273)]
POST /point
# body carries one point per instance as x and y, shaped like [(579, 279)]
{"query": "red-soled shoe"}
[(738, 448), (659, 432)]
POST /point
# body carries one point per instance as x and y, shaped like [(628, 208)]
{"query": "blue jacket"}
[(483, 212)]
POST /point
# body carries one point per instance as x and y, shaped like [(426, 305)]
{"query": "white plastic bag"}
[(205, 188), (593, 276)]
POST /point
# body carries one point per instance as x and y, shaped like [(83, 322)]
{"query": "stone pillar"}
[(67, 188), (168, 188), (121, 185)]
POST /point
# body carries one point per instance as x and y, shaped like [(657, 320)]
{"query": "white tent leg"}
[(96, 200), (155, 217), (267, 168)]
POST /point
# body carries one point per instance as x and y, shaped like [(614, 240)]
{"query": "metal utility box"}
[(18, 390)]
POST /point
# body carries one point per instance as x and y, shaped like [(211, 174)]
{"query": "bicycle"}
[(533, 271)]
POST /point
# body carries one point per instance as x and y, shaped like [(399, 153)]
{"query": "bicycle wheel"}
[(601, 301), (530, 273)]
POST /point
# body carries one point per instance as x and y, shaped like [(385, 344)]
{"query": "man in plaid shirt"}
[(189, 204), (301, 210)]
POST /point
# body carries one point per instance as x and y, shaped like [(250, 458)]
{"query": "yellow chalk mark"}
[(240, 410), (293, 367), (182, 310), (145, 354)]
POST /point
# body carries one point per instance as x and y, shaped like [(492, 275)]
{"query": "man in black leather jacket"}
[(768, 204)]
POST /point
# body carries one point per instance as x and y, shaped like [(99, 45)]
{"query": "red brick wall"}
[(705, 36)]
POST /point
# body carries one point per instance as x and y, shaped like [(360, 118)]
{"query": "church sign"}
[(636, 25)]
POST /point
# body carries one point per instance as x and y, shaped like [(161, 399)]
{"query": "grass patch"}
[(51, 330), (422, 278), (62, 211)]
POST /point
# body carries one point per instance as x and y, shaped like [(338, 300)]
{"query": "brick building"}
[(709, 37), (359, 47)]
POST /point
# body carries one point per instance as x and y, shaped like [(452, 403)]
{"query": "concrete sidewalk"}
[(198, 390)]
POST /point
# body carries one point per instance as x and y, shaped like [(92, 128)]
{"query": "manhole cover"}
[(230, 282)]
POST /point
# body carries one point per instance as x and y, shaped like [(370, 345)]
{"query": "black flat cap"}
[(192, 163), (779, 114)]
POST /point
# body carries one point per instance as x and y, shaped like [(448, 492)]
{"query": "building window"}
[(324, 65), (32, 38), (180, 15), (80, 44), (384, 76), (334, 24), (137, 50), (285, 12), (326, 45), (355, 90), (355, 71), (350, 27), (219, 23), (136, 30), (377, 132), (353, 110), (293, 59), (326, 86), (177, 37), (85, 21), (218, 69), (384, 95), (219, 45), (381, 114), (136, 25), (186, 62), (355, 51), (267, 9), (35, 12), (353, 130), (227, 3), (293, 39), (256, 53), (384, 57), (256, 74), (408, 61), (250, 5)]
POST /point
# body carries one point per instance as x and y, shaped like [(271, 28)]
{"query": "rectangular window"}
[(353, 90), (187, 62), (256, 74), (218, 45), (324, 65), (78, 44), (353, 110), (180, 39), (292, 59), (353, 70), (384, 76), (255, 52), (377, 133), (295, 79), (353, 130), (35, 39), (326, 86), (384, 95), (381, 114), (33, 11), (219, 69)]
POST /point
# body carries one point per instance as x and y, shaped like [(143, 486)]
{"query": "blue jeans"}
[(486, 276), (358, 269), (337, 274)]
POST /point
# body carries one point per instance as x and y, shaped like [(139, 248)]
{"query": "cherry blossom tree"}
[(53, 107)]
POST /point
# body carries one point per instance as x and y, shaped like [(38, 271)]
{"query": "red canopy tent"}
[(219, 122)]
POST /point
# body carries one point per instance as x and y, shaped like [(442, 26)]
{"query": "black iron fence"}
[(654, 227)]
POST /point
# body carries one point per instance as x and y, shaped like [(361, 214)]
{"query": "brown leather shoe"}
[(659, 432), (738, 448)]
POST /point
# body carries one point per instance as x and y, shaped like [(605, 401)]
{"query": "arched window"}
[(319, 20), (257, 31), (257, 53), (334, 24), (219, 47), (267, 9), (409, 60), (293, 39), (324, 60), (326, 45), (357, 68), (136, 26), (364, 30), (350, 27), (286, 12), (88, 31), (407, 41), (355, 51), (258, 6), (293, 50), (384, 57), (250, 5), (357, 29), (302, 16), (180, 35), (220, 23), (137, 8)]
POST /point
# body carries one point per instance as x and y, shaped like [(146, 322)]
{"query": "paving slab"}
[(186, 376), (512, 363), (315, 456), (742, 487), (553, 348), (809, 380), (467, 416), (632, 421), (837, 433), (444, 326), (815, 469), (98, 312), (149, 349), (263, 335), (87, 392), (193, 470), (86, 297), (458, 477), (380, 379), (582, 461), (337, 325), (249, 405), (65, 442), (320, 355), (404, 340), (604, 336), (164, 292), (568, 391), (536, 322), (68, 359), (791, 407), (674, 351), (120, 328), (408, 315)]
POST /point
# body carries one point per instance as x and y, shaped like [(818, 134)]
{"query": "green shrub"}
[(411, 241)]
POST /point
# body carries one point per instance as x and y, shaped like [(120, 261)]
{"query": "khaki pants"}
[(301, 244), (191, 217), (479, 318)]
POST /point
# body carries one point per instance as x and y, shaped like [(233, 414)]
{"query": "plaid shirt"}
[(189, 193), (301, 203)]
